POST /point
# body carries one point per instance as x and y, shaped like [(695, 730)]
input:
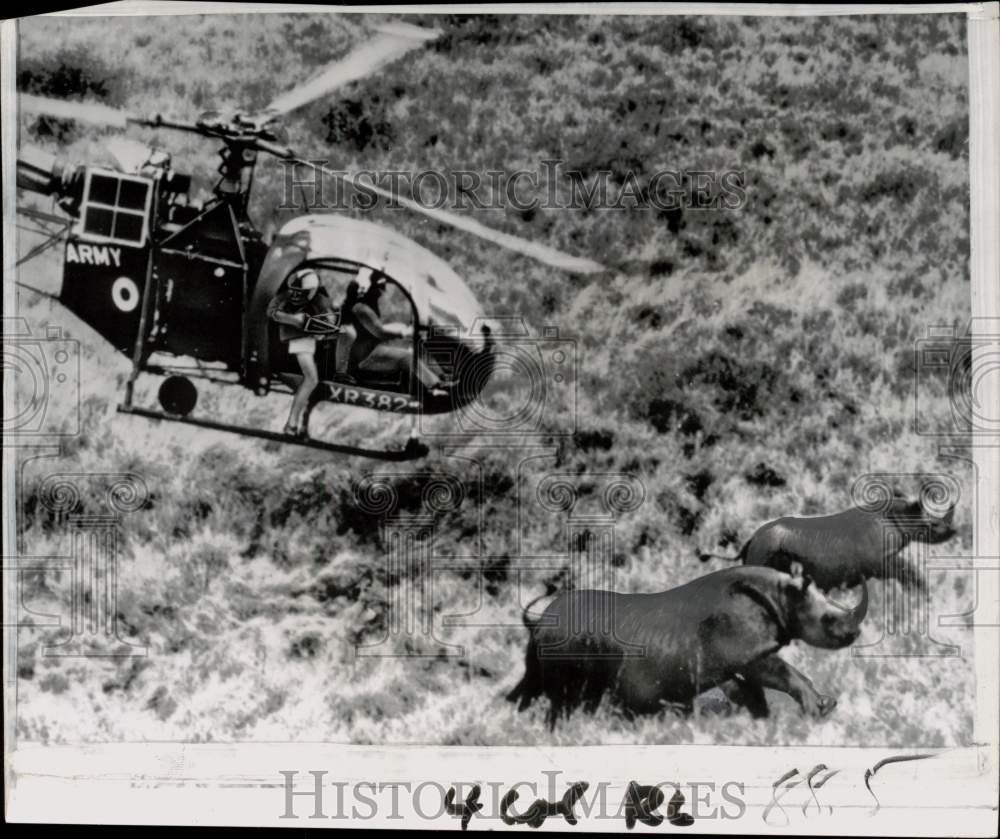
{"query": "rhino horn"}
[(859, 612)]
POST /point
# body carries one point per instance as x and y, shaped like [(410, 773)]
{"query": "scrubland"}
[(737, 365)]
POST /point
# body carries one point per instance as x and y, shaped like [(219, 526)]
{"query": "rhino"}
[(651, 651), (848, 548)]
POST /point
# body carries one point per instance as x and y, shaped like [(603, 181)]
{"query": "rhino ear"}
[(799, 580)]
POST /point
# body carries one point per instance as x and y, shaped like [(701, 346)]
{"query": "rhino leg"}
[(554, 712), (530, 686), (775, 673), (564, 687), (715, 702), (559, 705), (748, 694), (911, 578), (593, 691)]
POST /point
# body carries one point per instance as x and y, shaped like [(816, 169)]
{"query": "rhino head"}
[(920, 524), (818, 620)]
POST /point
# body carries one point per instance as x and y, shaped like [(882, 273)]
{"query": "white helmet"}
[(363, 279), (304, 284)]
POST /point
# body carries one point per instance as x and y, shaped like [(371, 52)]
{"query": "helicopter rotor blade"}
[(393, 41), (95, 113), (543, 253), (92, 113)]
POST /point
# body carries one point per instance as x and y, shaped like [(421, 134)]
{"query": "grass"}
[(738, 365)]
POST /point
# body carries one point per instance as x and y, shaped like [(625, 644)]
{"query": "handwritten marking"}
[(820, 767), (640, 802), (870, 773), (674, 814), (540, 810), (467, 809), (776, 800)]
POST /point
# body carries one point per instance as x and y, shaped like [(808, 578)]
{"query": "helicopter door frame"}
[(335, 263)]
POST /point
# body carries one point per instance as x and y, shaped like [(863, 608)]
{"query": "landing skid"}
[(414, 448)]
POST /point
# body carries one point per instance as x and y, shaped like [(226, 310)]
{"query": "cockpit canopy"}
[(440, 297), (441, 303)]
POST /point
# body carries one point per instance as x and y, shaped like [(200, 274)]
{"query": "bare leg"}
[(345, 340), (773, 672), (314, 399), (310, 378)]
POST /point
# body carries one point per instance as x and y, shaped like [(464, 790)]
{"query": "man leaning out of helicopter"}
[(303, 298)]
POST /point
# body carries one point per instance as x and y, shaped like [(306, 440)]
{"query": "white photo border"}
[(948, 792)]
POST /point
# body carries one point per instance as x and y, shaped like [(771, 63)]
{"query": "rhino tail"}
[(530, 687), (530, 622)]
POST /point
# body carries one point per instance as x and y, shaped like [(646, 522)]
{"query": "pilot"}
[(348, 334), (304, 297), (369, 354)]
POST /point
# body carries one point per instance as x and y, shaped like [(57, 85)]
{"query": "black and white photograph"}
[(429, 390)]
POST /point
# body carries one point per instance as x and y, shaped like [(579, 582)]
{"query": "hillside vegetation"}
[(737, 365)]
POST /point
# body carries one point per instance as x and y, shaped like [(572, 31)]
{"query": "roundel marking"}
[(125, 294)]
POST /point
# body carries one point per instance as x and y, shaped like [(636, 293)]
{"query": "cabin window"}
[(115, 208)]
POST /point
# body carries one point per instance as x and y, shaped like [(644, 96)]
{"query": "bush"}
[(73, 74)]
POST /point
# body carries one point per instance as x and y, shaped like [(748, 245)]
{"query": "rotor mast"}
[(243, 137), (236, 169)]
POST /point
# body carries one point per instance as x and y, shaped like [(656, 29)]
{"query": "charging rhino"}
[(648, 651)]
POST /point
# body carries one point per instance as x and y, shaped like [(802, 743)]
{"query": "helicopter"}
[(182, 288)]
